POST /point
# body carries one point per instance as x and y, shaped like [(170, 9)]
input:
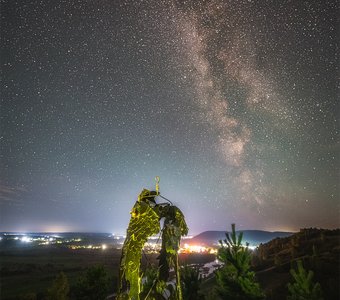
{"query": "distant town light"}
[(26, 239), (104, 246), (197, 249)]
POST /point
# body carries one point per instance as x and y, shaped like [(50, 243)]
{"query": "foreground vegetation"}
[(30, 273)]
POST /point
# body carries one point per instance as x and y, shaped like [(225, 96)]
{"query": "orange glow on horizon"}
[(196, 249)]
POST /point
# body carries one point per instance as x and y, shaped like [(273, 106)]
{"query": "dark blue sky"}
[(232, 103)]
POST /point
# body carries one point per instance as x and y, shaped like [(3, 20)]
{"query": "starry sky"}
[(233, 103)]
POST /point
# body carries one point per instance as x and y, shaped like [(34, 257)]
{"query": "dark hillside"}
[(253, 237), (319, 249)]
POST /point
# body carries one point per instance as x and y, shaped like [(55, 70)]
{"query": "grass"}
[(33, 270)]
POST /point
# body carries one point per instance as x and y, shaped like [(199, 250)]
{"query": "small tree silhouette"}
[(303, 288), (59, 289), (234, 279), (191, 281), (94, 284)]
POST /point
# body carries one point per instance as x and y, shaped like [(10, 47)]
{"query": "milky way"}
[(234, 104)]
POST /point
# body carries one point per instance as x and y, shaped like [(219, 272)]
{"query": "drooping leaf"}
[(144, 222), (145, 217), (173, 229)]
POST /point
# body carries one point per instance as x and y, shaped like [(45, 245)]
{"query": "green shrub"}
[(59, 289), (191, 281), (93, 285), (234, 279), (303, 288)]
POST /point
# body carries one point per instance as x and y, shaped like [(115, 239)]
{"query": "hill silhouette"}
[(253, 237)]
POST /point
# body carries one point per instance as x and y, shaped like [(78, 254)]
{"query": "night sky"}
[(233, 103)]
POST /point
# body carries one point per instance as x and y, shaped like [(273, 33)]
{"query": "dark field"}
[(32, 270)]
